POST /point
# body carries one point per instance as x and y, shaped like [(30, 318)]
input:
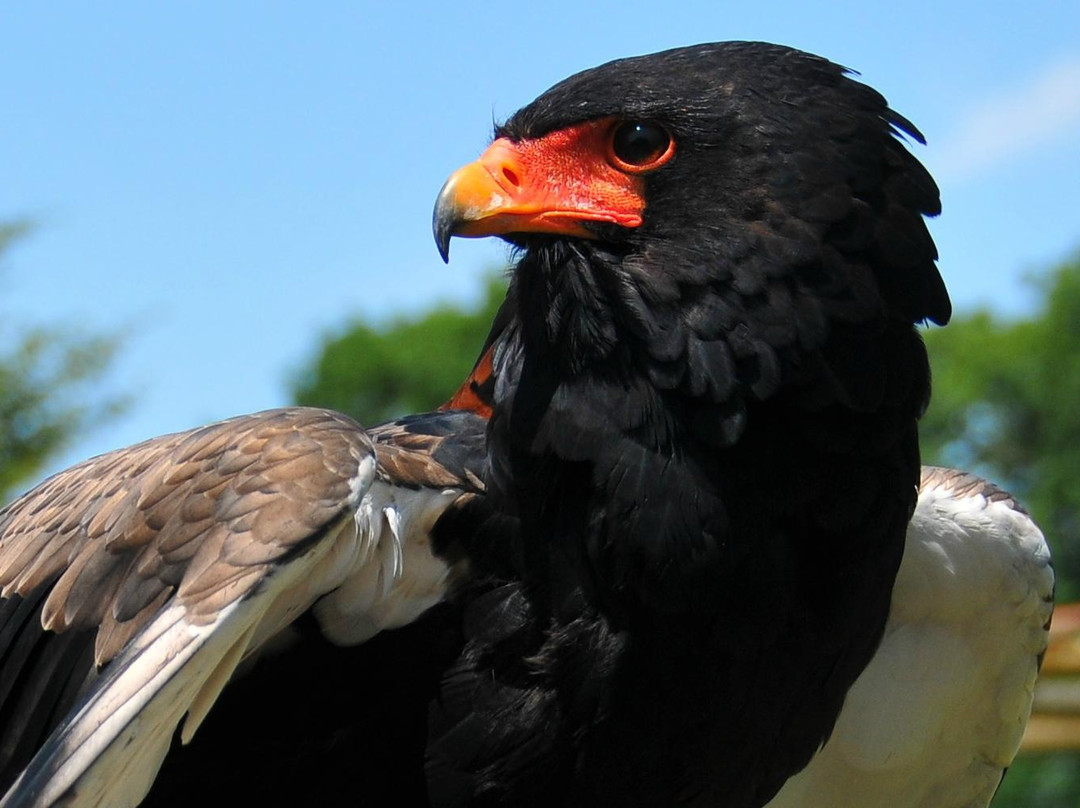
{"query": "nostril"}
[(511, 176)]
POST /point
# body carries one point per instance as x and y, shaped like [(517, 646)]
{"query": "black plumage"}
[(707, 425), (669, 524)]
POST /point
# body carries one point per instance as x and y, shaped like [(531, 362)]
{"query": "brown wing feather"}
[(178, 558), (964, 483), (200, 514), (415, 459)]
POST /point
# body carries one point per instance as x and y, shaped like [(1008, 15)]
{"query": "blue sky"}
[(225, 183)]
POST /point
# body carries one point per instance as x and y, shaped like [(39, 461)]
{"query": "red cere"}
[(578, 174)]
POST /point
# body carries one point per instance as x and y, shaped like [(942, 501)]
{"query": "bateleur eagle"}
[(639, 559)]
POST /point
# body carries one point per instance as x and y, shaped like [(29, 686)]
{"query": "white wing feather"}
[(939, 713)]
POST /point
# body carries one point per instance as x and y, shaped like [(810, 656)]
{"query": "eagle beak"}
[(472, 194), (498, 195), (555, 184), (478, 198)]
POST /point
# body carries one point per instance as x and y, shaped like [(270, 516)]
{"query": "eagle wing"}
[(135, 583), (938, 714)]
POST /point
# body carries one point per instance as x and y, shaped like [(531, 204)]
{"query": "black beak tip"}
[(442, 241), (444, 219)]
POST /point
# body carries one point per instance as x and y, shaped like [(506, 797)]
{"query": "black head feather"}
[(792, 217)]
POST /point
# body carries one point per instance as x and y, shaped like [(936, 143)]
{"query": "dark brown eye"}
[(640, 145)]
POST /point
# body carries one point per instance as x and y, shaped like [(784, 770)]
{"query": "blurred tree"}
[(1043, 781), (44, 373), (1007, 404), (411, 365)]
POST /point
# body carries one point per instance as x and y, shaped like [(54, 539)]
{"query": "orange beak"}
[(553, 184)]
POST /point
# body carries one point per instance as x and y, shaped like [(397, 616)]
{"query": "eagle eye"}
[(640, 145)]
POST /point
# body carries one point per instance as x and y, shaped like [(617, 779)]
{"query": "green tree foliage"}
[(1007, 404), (45, 374), (1043, 781), (411, 365)]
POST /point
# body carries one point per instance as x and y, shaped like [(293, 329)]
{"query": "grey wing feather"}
[(178, 558)]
